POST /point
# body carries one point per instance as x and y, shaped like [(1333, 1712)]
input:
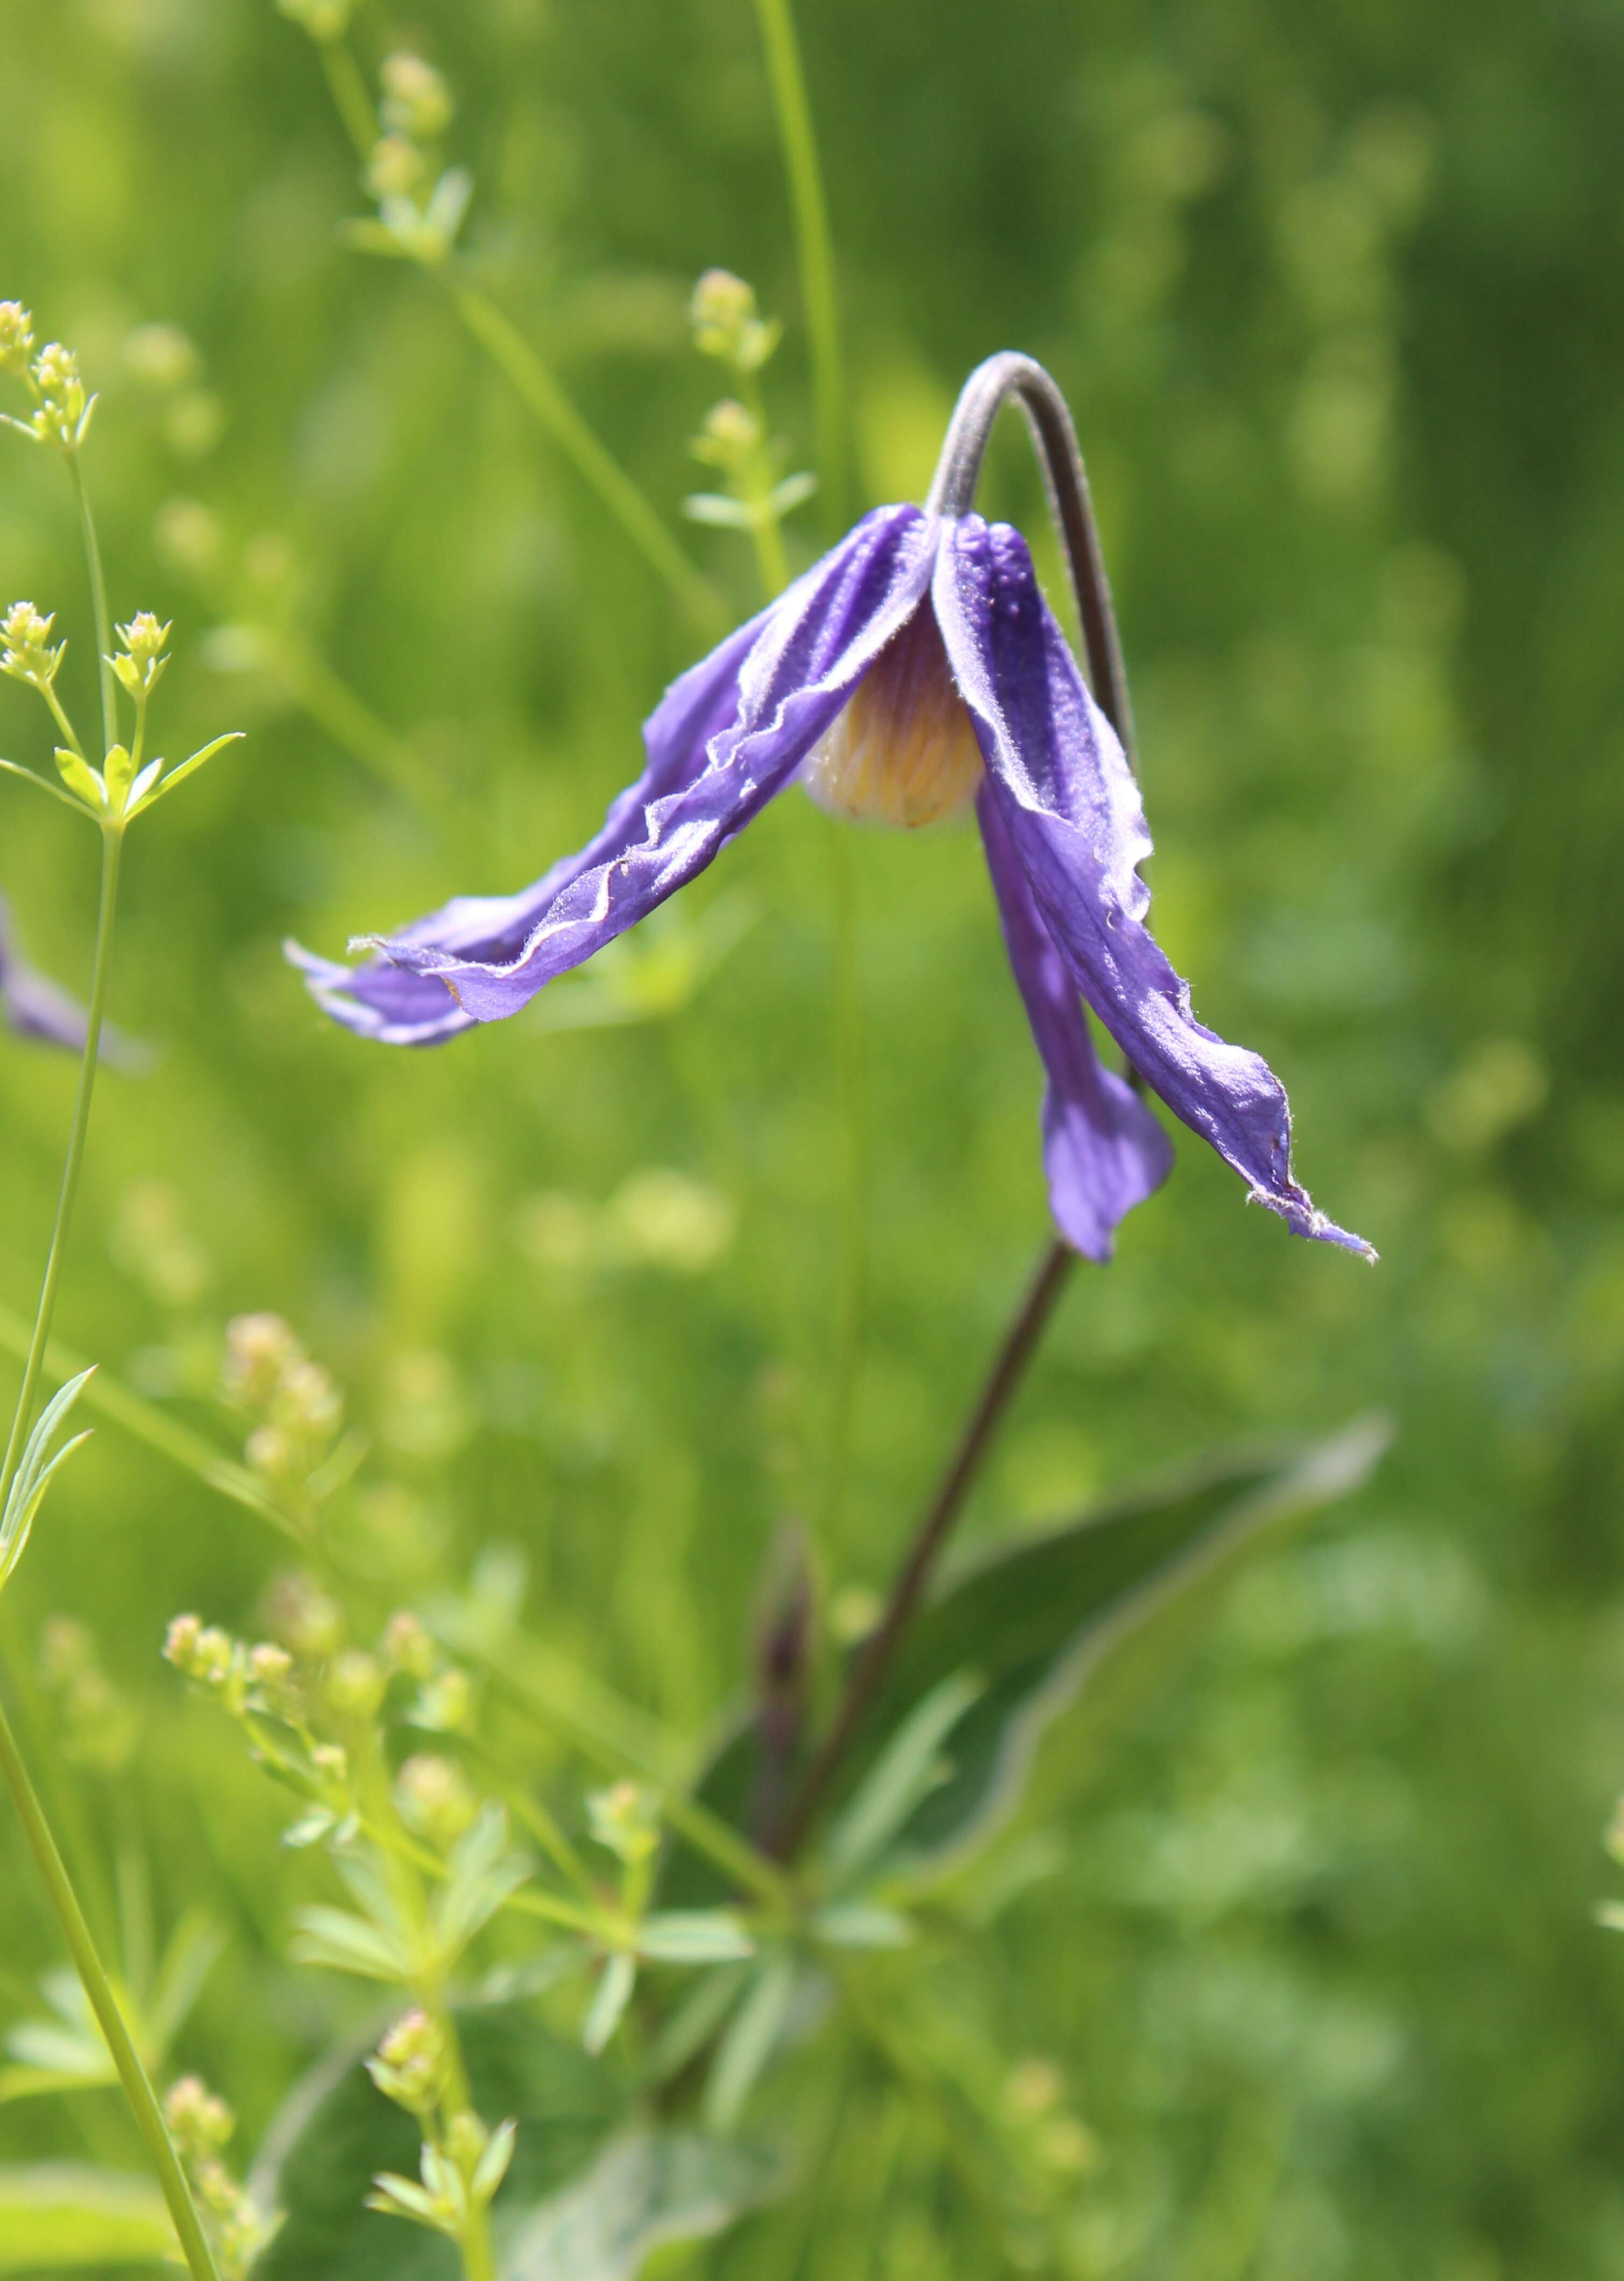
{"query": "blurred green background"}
[(1335, 294)]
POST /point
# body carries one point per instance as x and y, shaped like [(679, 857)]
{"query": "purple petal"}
[(1103, 1151), (726, 738), (36, 1008), (1072, 806)]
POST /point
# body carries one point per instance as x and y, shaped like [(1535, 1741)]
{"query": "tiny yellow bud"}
[(626, 1820), (16, 337), (721, 307), (416, 100), (435, 1799), (408, 1647), (64, 408), (731, 428), (144, 637), (180, 1641), (199, 2123), (396, 168), (355, 1685), (27, 654)]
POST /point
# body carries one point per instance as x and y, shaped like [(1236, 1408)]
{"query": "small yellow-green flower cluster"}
[(201, 2126), (27, 654), (298, 1409), (61, 413), (420, 206), (412, 2065), (734, 439)]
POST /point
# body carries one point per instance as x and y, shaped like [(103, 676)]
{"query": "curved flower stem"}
[(874, 1658), (112, 843), (137, 2086), (512, 353), (953, 493), (814, 244)]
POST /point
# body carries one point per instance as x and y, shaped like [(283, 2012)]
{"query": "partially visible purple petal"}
[(1077, 825), (1103, 1152), (36, 1008), (726, 738)]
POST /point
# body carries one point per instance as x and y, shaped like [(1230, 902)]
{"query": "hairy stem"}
[(113, 842), (874, 1658), (814, 245), (512, 355), (137, 2086)]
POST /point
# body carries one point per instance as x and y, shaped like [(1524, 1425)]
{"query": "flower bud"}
[(408, 1647), (626, 1820), (446, 1702), (411, 2063), (435, 1799), (144, 640), (467, 2138), (397, 169), (180, 1641), (28, 655), (64, 407), (269, 1667), (731, 428), (354, 1685), (721, 307), (331, 1761), (16, 337), (199, 2124), (259, 1349), (416, 100), (302, 1616)]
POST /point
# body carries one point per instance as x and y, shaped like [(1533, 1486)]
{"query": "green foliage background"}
[(1335, 292)]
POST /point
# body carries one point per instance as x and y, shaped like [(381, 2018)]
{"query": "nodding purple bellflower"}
[(915, 672)]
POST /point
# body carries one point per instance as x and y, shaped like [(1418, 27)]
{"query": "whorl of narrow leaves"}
[(34, 1475)]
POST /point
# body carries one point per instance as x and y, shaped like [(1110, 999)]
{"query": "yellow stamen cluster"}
[(902, 751)]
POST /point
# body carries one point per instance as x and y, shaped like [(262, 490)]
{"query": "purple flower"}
[(34, 1008), (915, 671)]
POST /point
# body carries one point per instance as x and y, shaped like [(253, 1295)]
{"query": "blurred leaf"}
[(647, 2189), (57, 2216), (750, 2041), (33, 1473), (693, 1936), (1101, 1605), (607, 2007), (907, 1770)]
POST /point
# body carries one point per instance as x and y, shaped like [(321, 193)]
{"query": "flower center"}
[(901, 750)]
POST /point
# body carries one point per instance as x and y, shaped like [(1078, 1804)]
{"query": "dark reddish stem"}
[(874, 1658)]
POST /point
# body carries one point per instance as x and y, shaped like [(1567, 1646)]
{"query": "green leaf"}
[(33, 1473), (187, 768), (1093, 1610), (647, 2190), (751, 2039), (693, 1936), (338, 2132), (56, 2217), (607, 2007), (908, 1769)]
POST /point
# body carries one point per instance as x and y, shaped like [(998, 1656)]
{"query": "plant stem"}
[(112, 843), (873, 1660), (854, 1108), (814, 245), (132, 2075), (98, 603), (512, 353), (350, 96)]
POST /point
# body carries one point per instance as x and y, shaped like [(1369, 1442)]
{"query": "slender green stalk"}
[(137, 2088), (512, 355), (98, 603), (112, 843), (350, 96), (765, 528), (852, 1080), (815, 247)]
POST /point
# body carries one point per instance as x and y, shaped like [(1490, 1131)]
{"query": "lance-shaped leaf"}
[(34, 1475), (1090, 1610), (64, 2217)]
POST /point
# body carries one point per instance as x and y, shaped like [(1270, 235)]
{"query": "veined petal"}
[(727, 737), (1073, 809), (1103, 1152)]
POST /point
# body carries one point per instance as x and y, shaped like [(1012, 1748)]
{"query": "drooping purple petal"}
[(1073, 809), (36, 1008), (726, 738), (1103, 1152)]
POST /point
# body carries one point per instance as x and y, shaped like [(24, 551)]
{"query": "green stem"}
[(765, 529), (854, 1105), (814, 244), (512, 355), (98, 603), (132, 2075), (112, 843), (349, 93)]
